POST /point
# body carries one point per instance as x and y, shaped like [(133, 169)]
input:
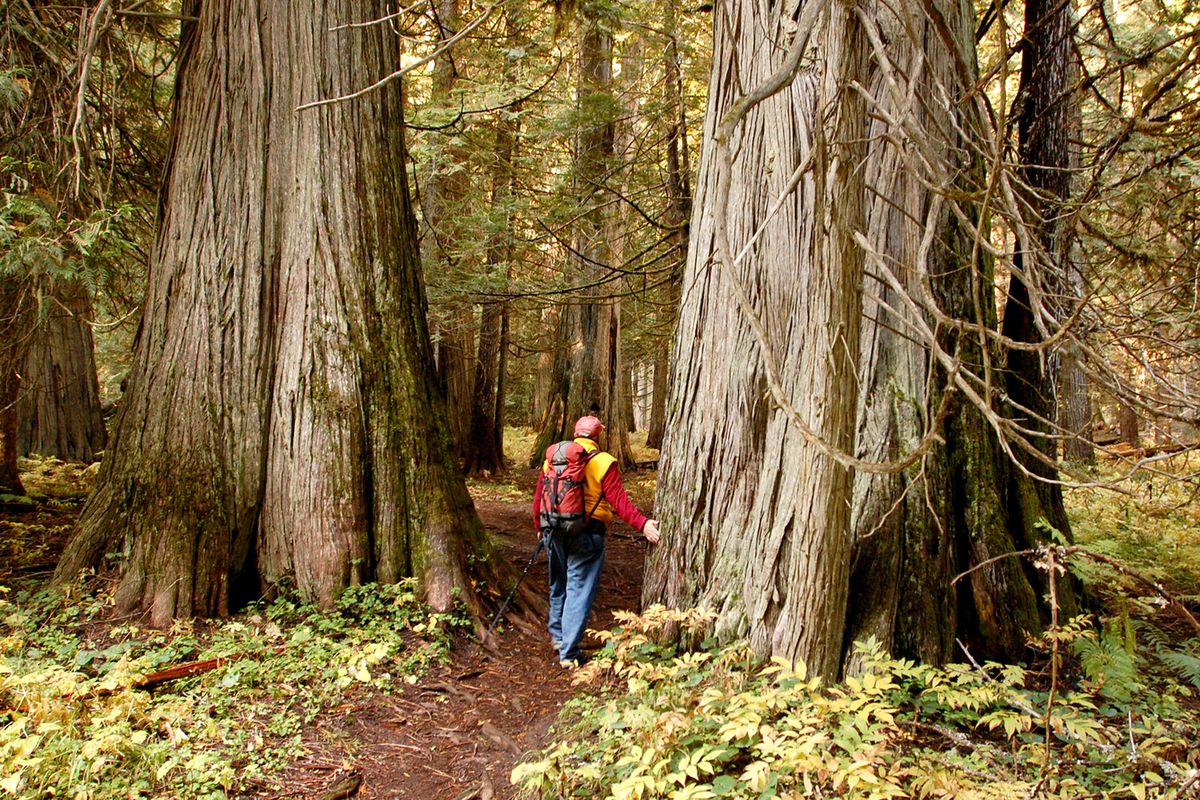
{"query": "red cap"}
[(589, 427)]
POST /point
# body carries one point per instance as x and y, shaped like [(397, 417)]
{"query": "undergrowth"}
[(31, 541), (717, 723), (1153, 526), (75, 722)]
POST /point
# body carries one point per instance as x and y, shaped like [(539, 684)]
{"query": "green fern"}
[(14, 89), (1110, 660), (1183, 660), (1156, 638)]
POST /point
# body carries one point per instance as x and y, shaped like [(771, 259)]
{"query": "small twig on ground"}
[(1133, 753), (1052, 573), (1192, 780), (959, 739)]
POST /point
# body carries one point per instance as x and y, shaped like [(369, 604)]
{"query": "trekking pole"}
[(541, 543)]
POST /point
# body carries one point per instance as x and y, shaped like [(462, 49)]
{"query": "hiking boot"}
[(573, 663)]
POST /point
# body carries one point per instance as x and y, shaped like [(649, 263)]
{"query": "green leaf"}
[(725, 785)]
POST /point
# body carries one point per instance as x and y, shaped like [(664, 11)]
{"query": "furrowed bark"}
[(282, 425), (758, 519), (916, 530), (58, 411)]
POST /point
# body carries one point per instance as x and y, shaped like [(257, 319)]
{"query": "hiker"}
[(576, 547)]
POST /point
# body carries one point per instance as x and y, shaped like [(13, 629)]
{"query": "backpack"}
[(563, 510)]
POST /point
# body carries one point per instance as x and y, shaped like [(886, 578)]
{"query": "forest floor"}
[(453, 728), (457, 732)]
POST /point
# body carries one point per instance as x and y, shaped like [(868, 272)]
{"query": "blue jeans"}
[(575, 565)]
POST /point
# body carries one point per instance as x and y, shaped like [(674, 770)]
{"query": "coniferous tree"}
[(758, 521), (282, 423), (752, 495), (586, 375), (80, 128)]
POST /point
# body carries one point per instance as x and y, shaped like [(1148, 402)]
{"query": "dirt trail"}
[(457, 734)]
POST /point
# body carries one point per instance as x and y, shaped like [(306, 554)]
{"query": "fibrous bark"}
[(281, 424), (960, 506), (58, 413), (757, 519), (751, 508)]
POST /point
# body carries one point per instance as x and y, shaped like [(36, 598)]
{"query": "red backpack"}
[(563, 510)]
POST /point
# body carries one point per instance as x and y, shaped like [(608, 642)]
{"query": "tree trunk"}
[(282, 425), (956, 508), (455, 371), (1127, 424), (1039, 283), (441, 202), (71, 185), (1075, 410), (621, 226), (546, 380), (59, 409), (757, 517), (18, 316), (658, 404), (586, 374), (629, 416), (1075, 403), (678, 212), (485, 451), (502, 378), (485, 445), (751, 508)]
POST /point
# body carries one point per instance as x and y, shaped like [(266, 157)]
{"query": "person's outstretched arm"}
[(614, 493)]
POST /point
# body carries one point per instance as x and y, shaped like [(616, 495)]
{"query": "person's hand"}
[(651, 531)]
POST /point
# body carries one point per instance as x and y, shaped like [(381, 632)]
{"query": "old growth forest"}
[(891, 313)]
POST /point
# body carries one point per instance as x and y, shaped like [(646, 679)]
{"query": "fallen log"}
[(1126, 450), (187, 670)]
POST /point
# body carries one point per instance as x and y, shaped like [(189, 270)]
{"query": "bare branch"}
[(400, 73)]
